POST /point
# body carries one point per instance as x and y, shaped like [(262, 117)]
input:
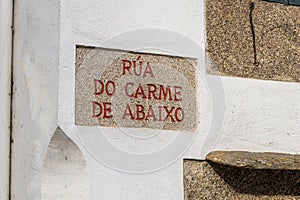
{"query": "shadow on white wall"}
[(64, 174)]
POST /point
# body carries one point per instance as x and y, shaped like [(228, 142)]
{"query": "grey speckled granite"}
[(117, 88), (217, 180), (229, 40), (253, 160)]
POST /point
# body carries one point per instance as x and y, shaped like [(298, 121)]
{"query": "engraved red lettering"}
[(148, 70), (107, 110), (165, 93), (169, 113), (113, 85), (151, 91), (126, 89), (96, 86), (177, 91), (160, 113), (137, 72), (151, 114), (128, 112), (140, 92), (138, 66), (95, 106), (140, 112), (177, 115), (126, 67)]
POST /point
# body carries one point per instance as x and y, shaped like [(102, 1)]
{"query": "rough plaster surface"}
[(35, 92), (260, 116), (64, 174), (5, 81)]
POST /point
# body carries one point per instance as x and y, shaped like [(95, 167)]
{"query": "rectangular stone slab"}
[(116, 88), (206, 180), (229, 40)]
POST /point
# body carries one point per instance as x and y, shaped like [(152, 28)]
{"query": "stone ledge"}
[(213, 181), (255, 160)]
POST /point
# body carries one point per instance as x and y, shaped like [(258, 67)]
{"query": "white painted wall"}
[(64, 174), (35, 92), (5, 82), (258, 115)]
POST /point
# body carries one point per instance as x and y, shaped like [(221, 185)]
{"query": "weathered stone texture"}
[(141, 84), (252, 160), (210, 180), (229, 42)]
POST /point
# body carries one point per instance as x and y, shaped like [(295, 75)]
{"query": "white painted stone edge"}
[(5, 86)]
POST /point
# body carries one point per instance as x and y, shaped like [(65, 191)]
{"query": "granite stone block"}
[(225, 178), (229, 39)]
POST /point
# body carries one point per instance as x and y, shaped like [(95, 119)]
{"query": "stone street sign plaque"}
[(117, 88)]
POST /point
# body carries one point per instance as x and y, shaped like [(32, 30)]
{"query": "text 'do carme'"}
[(128, 89)]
